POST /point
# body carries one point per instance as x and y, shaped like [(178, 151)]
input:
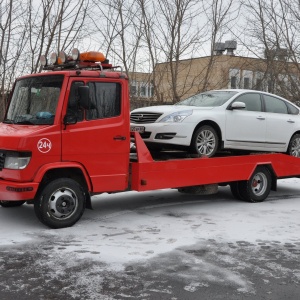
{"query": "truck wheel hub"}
[(63, 203)]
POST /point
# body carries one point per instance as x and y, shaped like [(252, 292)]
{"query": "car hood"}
[(168, 109)]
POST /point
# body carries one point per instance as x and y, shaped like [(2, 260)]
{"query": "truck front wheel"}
[(60, 203)]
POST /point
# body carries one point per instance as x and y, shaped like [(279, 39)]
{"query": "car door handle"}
[(120, 138), (290, 121), (260, 118)]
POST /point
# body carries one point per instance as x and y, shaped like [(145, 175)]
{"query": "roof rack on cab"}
[(87, 60)]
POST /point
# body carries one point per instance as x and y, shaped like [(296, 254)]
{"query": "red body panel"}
[(148, 174)]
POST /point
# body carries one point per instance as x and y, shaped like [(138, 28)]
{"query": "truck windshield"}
[(34, 100)]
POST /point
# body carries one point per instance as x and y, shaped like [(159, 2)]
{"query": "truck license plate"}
[(139, 129)]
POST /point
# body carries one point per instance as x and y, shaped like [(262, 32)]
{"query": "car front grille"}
[(144, 117), (2, 159)]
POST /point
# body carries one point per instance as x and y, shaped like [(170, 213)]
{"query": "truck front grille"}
[(144, 117), (2, 159)]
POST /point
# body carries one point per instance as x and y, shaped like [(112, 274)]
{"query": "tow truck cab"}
[(53, 129)]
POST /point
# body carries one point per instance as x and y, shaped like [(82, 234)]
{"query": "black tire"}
[(234, 187), (205, 141), (258, 187), (294, 146), (60, 203), (11, 203)]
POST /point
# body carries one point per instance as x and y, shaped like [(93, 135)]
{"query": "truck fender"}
[(62, 165)]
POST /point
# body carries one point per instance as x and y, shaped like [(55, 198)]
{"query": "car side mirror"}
[(84, 96), (237, 105)]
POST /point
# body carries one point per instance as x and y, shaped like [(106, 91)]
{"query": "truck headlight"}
[(176, 117), (16, 160)]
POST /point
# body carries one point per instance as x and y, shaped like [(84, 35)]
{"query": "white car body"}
[(239, 128)]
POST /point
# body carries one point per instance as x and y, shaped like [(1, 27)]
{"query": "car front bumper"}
[(168, 133)]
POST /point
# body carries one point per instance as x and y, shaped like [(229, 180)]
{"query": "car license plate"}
[(139, 129)]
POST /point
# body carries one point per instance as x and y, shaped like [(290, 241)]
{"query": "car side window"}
[(252, 101), (105, 100), (292, 109), (275, 105)]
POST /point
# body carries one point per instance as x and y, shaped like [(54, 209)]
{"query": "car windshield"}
[(34, 100), (208, 99)]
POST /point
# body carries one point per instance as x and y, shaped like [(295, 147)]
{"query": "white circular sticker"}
[(44, 145)]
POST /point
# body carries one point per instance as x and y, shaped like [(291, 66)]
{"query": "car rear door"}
[(281, 124)]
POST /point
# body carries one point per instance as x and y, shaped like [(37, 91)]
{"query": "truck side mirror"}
[(84, 97)]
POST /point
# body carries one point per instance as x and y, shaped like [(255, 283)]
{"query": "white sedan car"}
[(222, 119)]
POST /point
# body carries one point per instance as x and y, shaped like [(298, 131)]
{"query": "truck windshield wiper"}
[(8, 121), (25, 122)]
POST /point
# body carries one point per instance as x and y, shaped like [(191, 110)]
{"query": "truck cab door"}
[(98, 137)]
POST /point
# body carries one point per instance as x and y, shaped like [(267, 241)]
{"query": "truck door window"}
[(73, 102), (106, 100)]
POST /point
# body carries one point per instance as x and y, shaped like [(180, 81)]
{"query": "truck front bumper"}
[(16, 191)]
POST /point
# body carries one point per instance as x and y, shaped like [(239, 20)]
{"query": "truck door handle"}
[(260, 118), (120, 138), (290, 121)]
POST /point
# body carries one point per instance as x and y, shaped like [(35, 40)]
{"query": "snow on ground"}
[(161, 228)]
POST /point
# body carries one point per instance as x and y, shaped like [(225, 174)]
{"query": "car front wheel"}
[(205, 141), (294, 146)]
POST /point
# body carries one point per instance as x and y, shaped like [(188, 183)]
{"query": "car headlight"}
[(177, 117), (16, 160)]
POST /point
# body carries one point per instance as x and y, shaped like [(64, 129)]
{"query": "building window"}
[(233, 81), (246, 83), (234, 75), (143, 91), (133, 90)]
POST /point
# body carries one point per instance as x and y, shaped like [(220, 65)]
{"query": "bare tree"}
[(12, 40), (55, 25), (273, 35)]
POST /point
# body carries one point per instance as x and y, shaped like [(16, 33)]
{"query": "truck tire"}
[(60, 203), (258, 187), (235, 190), (205, 141), (11, 203)]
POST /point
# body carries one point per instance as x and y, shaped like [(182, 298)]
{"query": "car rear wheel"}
[(205, 141), (294, 146)]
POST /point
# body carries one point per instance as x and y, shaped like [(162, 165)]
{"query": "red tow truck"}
[(66, 136)]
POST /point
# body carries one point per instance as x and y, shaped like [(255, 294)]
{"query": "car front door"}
[(246, 127)]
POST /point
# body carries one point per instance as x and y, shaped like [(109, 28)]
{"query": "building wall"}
[(172, 82)]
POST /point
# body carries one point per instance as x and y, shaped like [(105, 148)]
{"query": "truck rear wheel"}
[(235, 190), (11, 203), (258, 187), (60, 203)]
